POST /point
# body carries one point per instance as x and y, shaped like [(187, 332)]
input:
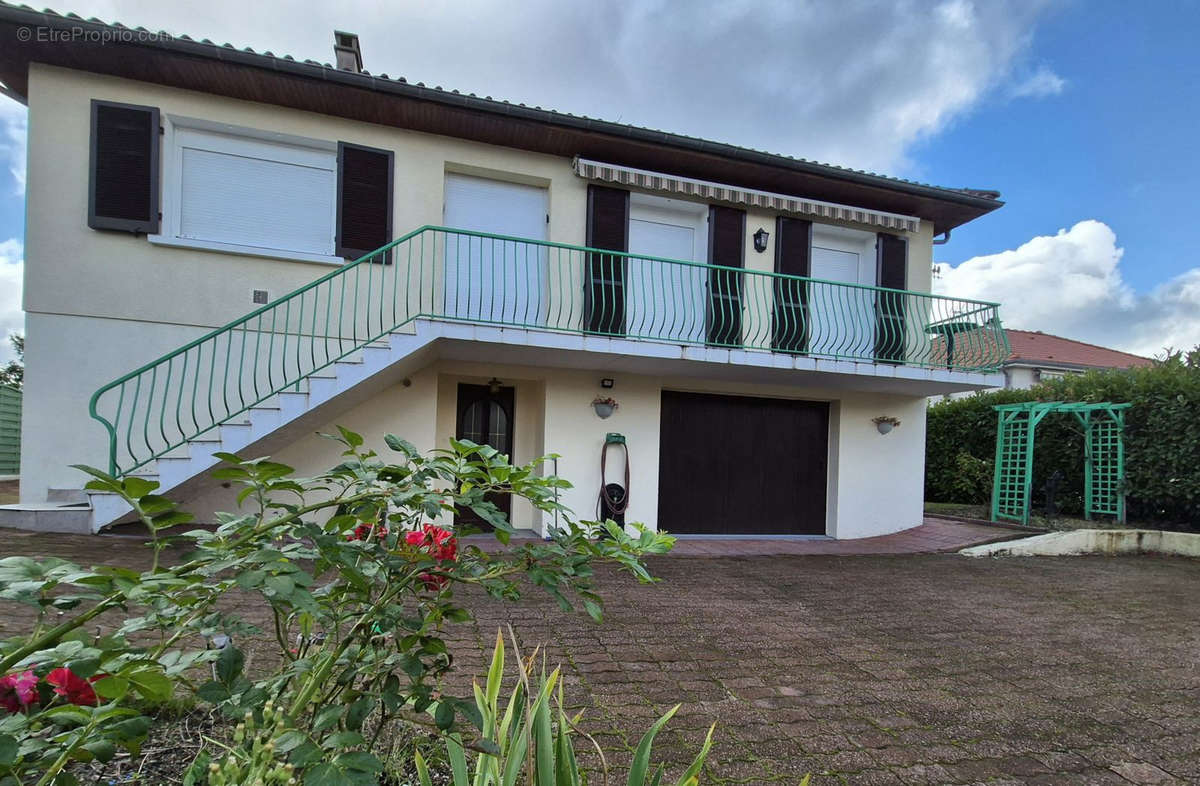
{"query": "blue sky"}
[(1083, 114), (1117, 144)]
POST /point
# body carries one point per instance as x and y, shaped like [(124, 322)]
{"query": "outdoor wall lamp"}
[(760, 240), (494, 386), (885, 423), (606, 382)]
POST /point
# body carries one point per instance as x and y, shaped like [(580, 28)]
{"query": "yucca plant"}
[(528, 741)]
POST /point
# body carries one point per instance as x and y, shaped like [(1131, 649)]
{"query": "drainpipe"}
[(945, 239)]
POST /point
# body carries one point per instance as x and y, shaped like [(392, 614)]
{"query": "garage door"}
[(493, 280), (737, 465)]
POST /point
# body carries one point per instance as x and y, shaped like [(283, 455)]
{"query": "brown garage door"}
[(737, 465)]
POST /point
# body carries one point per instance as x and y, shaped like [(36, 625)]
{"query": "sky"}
[(1083, 114)]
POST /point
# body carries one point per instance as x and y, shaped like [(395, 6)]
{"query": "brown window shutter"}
[(726, 245), (364, 201), (604, 287), (793, 257), (124, 168), (892, 268)]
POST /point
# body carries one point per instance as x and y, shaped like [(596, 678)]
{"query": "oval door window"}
[(490, 430)]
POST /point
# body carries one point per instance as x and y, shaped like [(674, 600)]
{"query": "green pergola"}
[(1103, 464)]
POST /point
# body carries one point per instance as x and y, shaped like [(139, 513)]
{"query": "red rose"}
[(74, 688), (363, 531), (440, 544), (18, 691)]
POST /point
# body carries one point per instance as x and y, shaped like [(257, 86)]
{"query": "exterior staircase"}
[(277, 420)]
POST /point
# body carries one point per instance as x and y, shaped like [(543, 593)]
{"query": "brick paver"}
[(934, 535), (927, 668)]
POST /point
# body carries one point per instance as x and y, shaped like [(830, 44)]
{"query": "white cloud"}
[(13, 130), (1070, 284), (856, 82), (1040, 84), (12, 318)]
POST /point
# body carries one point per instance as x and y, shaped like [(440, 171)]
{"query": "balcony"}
[(566, 297)]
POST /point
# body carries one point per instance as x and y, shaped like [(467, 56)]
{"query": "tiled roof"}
[(172, 41), (1037, 347)]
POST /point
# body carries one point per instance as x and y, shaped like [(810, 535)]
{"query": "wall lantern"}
[(885, 423), (760, 240), (606, 383), (494, 386)]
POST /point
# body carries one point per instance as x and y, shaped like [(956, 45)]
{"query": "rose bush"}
[(358, 580)]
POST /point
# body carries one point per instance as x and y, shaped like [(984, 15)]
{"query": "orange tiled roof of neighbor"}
[(1028, 345)]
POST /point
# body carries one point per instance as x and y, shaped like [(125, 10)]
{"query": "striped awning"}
[(781, 203)]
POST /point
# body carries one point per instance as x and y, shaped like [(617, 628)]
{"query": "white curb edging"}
[(1109, 542)]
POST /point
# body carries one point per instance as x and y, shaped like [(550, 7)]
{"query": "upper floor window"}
[(238, 190)]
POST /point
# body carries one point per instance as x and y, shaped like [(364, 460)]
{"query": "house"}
[(229, 250), (1033, 356), (1036, 356)]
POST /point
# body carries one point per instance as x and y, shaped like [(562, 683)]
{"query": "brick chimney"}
[(346, 53)]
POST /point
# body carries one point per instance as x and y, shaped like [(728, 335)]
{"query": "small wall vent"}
[(259, 297)]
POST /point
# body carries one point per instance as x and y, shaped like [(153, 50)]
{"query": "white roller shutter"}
[(494, 280), (257, 194)]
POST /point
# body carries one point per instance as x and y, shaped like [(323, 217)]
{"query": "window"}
[(243, 191)]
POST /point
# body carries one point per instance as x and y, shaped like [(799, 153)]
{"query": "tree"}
[(13, 373)]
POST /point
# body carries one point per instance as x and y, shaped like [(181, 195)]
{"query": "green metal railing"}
[(434, 272)]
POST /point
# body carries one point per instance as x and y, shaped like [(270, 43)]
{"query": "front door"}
[(486, 418)]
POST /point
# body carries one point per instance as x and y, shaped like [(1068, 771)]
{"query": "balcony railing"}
[(473, 277)]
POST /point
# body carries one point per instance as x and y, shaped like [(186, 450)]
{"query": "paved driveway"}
[(913, 669), (896, 670)]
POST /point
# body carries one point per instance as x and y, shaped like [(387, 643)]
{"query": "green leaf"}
[(352, 439), (111, 687), (422, 769), (692, 774), (213, 692), (640, 766), (8, 750), (359, 761), (324, 774), (444, 715), (152, 685), (289, 741), (136, 487), (357, 712), (326, 718), (197, 772), (306, 755), (229, 664), (342, 740), (101, 748)]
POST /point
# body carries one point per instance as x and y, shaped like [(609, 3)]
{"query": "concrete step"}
[(66, 496), (48, 517)]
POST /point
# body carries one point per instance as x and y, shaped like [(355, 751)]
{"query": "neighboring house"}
[(1038, 356), (193, 209), (1034, 357)]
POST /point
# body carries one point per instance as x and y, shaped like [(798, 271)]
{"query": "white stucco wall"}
[(875, 481)]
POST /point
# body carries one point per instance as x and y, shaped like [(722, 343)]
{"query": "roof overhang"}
[(88, 45)]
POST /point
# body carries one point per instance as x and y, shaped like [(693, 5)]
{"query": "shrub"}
[(529, 737), (359, 583), (1162, 449)]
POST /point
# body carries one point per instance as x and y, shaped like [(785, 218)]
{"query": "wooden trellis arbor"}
[(1103, 459)]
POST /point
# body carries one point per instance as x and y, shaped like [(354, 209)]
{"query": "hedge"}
[(1162, 441)]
